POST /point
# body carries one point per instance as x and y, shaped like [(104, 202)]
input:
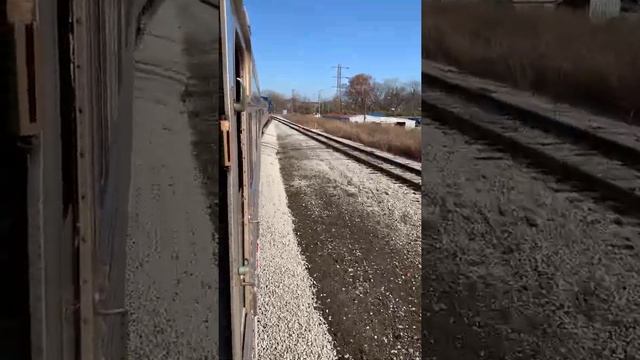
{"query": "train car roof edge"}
[(243, 20)]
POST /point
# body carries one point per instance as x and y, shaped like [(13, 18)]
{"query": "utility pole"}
[(339, 83), (293, 100)]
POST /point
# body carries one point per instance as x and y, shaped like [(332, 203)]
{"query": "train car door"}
[(249, 248), (36, 211), (243, 164)]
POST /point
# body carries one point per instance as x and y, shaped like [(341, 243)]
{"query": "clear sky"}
[(296, 42)]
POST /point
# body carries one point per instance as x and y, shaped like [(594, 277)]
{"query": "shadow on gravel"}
[(461, 320), (202, 98), (514, 278)]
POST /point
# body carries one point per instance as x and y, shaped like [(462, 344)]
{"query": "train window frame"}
[(239, 73), (249, 149)]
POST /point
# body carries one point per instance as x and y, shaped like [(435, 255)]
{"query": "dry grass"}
[(560, 54), (392, 139)]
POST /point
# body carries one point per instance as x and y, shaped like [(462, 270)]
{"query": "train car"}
[(246, 116), (66, 170)]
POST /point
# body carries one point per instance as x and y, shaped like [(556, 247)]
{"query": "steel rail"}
[(551, 145), (402, 170)]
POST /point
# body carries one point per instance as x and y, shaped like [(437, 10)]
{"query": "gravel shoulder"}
[(172, 276), (359, 231), (289, 325), (517, 266)]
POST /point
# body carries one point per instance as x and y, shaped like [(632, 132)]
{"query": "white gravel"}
[(384, 199), (360, 233), (289, 325)]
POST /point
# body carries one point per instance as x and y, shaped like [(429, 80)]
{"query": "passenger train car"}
[(246, 116), (66, 169)]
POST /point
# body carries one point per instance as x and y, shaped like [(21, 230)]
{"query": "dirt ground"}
[(360, 234), (172, 273), (517, 266)]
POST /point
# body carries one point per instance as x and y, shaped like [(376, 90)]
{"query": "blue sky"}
[(296, 42)]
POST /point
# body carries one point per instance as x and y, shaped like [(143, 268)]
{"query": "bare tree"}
[(304, 105), (277, 99), (413, 98), (394, 95), (362, 93), (377, 97), (333, 105), (359, 91)]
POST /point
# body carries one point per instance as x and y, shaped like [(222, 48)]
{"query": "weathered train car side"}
[(245, 115), (70, 92), (68, 155), (42, 228)]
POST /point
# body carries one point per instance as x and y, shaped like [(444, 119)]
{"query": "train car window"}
[(67, 109), (250, 148), (254, 81), (121, 42), (239, 73)]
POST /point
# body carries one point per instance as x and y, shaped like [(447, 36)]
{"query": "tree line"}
[(361, 95)]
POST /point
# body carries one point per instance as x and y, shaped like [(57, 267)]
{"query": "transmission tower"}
[(339, 85)]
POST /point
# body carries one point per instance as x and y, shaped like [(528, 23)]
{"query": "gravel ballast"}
[(519, 266), (359, 231), (289, 325)]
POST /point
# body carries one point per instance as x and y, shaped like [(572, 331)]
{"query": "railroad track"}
[(596, 154), (405, 171)]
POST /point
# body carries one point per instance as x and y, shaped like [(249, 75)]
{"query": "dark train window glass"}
[(250, 148), (239, 73)]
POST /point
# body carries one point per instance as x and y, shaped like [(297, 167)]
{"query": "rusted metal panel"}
[(226, 143), (20, 11), (86, 211), (104, 41), (26, 80), (49, 238), (248, 346)]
